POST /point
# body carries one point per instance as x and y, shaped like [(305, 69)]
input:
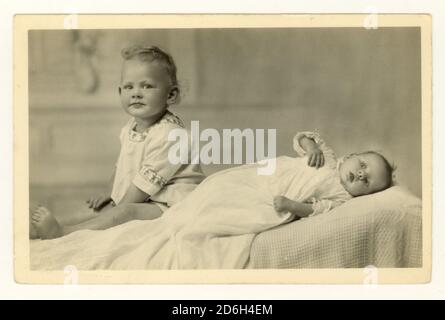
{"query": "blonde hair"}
[(149, 54)]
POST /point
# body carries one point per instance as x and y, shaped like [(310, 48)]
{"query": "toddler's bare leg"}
[(43, 224), (48, 227), (80, 214), (118, 215)]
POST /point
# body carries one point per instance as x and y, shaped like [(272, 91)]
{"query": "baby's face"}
[(144, 89), (362, 174)]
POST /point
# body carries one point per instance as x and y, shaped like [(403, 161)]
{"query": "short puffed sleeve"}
[(156, 169)]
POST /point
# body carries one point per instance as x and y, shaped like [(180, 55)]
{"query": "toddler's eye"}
[(362, 165), (128, 87), (147, 86)]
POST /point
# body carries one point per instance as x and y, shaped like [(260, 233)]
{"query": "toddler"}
[(145, 182)]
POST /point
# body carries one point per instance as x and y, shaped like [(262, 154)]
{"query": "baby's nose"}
[(361, 174), (136, 92)]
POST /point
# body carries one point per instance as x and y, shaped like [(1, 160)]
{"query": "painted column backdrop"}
[(361, 89)]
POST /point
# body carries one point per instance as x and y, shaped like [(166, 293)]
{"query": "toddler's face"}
[(363, 174), (145, 89)]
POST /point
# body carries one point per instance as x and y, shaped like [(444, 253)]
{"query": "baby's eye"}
[(362, 165), (128, 87), (147, 86)]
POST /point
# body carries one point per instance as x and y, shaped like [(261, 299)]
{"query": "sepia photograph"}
[(222, 149)]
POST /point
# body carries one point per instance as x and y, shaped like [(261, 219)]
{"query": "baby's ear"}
[(173, 95)]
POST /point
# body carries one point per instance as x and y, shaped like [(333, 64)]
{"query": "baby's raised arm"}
[(314, 153)]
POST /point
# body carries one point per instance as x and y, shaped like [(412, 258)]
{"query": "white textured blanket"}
[(383, 230)]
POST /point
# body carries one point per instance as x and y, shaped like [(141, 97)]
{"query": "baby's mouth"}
[(137, 105)]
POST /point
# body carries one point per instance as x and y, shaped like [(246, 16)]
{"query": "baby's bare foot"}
[(45, 224)]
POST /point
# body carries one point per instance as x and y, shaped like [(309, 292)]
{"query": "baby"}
[(145, 183), (359, 173)]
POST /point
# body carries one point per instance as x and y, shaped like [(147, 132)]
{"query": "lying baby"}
[(359, 173)]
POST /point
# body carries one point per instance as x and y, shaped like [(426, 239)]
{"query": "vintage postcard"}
[(222, 149)]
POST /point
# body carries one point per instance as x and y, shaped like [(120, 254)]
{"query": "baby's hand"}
[(315, 157), (99, 202), (280, 203)]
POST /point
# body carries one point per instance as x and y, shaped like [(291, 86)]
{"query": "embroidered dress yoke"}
[(143, 161)]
